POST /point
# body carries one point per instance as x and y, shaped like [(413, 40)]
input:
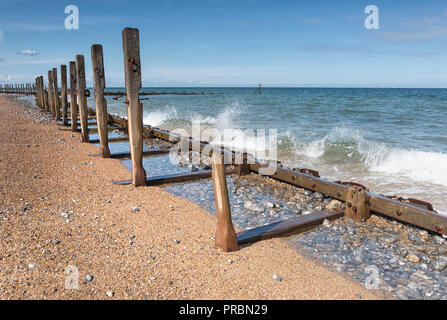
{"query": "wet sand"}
[(163, 250)]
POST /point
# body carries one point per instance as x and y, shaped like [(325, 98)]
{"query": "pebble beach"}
[(68, 233)]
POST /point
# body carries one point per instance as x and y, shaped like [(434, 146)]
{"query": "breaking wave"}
[(348, 146)]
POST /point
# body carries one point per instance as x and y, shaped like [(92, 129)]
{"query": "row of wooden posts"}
[(52, 100), (359, 202), (18, 88)]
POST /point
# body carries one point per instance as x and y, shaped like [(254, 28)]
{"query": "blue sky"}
[(234, 42)]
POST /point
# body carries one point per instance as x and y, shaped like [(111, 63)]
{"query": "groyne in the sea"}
[(360, 203)]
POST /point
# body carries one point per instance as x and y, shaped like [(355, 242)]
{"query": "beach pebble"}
[(413, 258), (334, 204), (110, 293), (31, 265), (65, 215), (277, 278), (230, 261), (131, 236), (251, 206), (439, 264), (176, 241), (326, 223), (88, 277), (55, 241), (135, 209), (153, 278)]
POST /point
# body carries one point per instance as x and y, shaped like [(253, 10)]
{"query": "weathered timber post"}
[(57, 105), (46, 100), (37, 96), (357, 204), (242, 168), (64, 99), (38, 92), (50, 92), (132, 69), (99, 79), (225, 235), (42, 91), (80, 78), (73, 97)]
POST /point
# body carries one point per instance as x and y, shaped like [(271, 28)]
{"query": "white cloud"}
[(28, 52)]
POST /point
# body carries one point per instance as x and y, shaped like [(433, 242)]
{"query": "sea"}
[(393, 141)]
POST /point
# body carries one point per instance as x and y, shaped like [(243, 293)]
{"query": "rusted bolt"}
[(314, 186), (87, 92), (126, 101), (349, 204), (339, 194), (293, 178), (354, 208), (439, 229), (398, 213)]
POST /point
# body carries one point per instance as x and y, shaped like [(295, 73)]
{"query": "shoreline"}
[(130, 254)]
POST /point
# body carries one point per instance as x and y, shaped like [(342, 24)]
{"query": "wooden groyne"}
[(360, 203)]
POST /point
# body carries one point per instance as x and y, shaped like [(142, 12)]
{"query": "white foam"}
[(416, 165), (157, 117)]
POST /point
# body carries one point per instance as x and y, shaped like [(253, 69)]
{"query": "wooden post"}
[(57, 105), (73, 97), (37, 95), (64, 99), (42, 92), (50, 92), (132, 69), (225, 235), (99, 79), (80, 77), (357, 204), (242, 169)]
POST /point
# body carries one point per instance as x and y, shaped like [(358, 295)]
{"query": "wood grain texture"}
[(99, 80), (132, 70), (73, 97), (225, 235), (80, 78)]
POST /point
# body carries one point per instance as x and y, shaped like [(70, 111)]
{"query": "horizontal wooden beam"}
[(287, 227), (127, 155), (402, 211), (174, 178), (95, 130), (120, 139)]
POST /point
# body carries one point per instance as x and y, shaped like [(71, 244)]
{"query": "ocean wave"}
[(349, 147)]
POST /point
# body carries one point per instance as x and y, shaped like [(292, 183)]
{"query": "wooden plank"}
[(225, 237), (127, 155), (132, 68), (172, 178), (120, 139), (287, 227), (99, 80), (56, 100), (80, 80), (95, 130), (64, 99), (405, 212)]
